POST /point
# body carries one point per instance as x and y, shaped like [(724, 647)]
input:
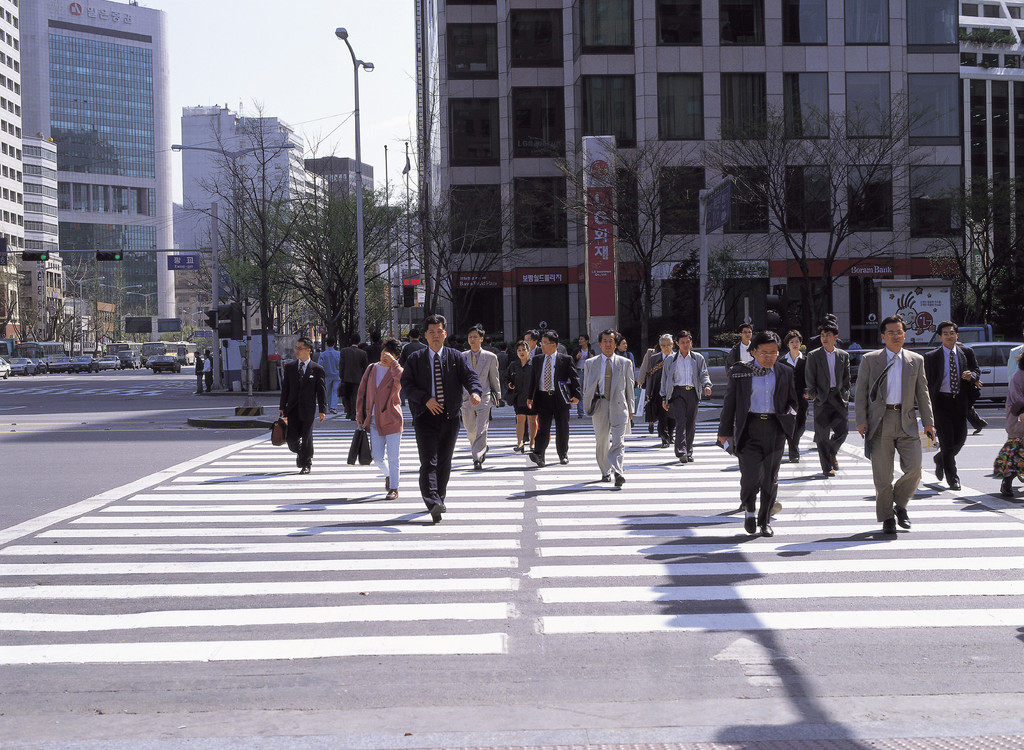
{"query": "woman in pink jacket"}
[(379, 412)]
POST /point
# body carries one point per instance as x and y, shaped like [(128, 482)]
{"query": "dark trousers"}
[(208, 377), (801, 424), (435, 443), (760, 458), (199, 381), (666, 423), (300, 438), (951, 431), (831, 424), (683, 406), (348, 398), (551, 408)]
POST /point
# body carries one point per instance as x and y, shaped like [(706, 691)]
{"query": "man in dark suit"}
[(952, 370), (414, 345), (353, 365), (828, 385), (740, 351), (758, 416), (303, 395), (554, 387), (433, 381)]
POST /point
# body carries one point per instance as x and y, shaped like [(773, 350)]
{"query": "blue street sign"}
[(183, 262), (716, 211)]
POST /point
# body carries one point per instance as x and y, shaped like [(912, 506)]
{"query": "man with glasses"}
[(951, 371), (891, 387), (303, 394), (758, 415)]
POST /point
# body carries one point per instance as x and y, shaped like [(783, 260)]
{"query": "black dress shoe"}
[(954, 484), (619, 480), (750, 525), (689, 458), (1006, 487), (938, 471), (484, 456), (889, 526), (564, 460), (606, 477), (794, 457), (650, 428), (902, 517), (304, 470), (478, 465), (665, 443), (684, 459), (767, 530), (535, 457), (435, 513)]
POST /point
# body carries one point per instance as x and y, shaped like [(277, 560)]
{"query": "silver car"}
[(22, 366), (993, 357), (108, 362), (715, 358), (5, 369)]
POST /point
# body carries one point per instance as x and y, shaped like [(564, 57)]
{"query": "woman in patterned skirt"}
[(1010, 461)]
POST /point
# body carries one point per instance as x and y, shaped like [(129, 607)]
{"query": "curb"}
[(232, 423)]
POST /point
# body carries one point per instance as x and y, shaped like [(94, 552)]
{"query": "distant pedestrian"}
[(502, 355), (373, 348), (581, 359), (200, 363), (951, 370), (208, 370), (685, 381), (795, 359), (608, 400), (303, 395), (651, 373), (828, 384), (740, 351), (477, 416), (379, 412), (330, 360), (414, 345), (353, 365), (517, 379), (554, 388), (1009, 464)]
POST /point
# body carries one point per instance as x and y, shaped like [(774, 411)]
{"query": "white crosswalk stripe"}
[(238, 558)]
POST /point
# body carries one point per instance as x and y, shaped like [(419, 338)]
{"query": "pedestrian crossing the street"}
[(239, 558)]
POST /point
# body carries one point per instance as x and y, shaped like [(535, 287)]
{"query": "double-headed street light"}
[(342, 34)]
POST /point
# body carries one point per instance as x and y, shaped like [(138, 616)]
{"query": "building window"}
[(474, 132), (742, 21), (938, 21), (538, 122), (867, 21), (805, 104), (680, 106), (743, 105), (932, 193), (472, 50), (808, 203), (748, 204), (609, 108), (540, 212), (680, 199), (607, 25), (679, 22), (804, 22), (476, 218), (934, 105), (536, 38), (867, 105), (869, 194)]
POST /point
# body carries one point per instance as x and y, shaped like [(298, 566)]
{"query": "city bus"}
[(185, 351), (119, 346), (44, 350), (7, 348)]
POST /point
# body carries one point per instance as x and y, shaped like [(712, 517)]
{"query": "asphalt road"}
[(231, 603)]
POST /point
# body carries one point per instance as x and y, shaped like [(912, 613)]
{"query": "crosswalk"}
[(57, 386), (239, 558)]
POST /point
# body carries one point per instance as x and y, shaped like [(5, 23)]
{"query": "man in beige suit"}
[(608, 399), (891, 388), (478, 417)]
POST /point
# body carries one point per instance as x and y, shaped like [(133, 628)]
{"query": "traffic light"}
[(108, 255), (3, 251), (773, 314), (37, 256), (408, 296), (211, 319), (229, 321)]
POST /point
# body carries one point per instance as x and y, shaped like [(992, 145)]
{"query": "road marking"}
[(269, 515), (312, 545), (412, 525), (734, 525)]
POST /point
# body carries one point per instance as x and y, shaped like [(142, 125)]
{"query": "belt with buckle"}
[(759, 415), (550, 393), (894, 407)]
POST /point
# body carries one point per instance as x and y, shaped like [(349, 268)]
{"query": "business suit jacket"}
[(736, 406), (565, 371), (303, 398), (381, 404), (935, 364), (353, 364), (456, 375), (486, 372), (413, 346), (817, 378), (668, 374), (734, 355), (913, 393), (620, 397)]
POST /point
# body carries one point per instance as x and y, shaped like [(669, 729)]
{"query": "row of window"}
[(10, 62), (13, 218), (606, 26), (11, 150), (10, 83), (10, 172), (73, 196), (10, 127), (608, 106), (41, 153), (40, 208), (12, 195), (33, 188)]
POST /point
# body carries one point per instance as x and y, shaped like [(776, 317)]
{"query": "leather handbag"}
[(359, 450), (277, 432)]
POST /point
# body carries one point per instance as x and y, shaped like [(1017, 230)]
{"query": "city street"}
[(170, 583)]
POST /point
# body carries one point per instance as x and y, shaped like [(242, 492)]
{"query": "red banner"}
[(600, 250)]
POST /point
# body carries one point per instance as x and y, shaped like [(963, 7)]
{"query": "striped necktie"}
[(438, 380)]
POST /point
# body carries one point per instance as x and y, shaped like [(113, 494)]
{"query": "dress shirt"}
[(793, 360), (830, 358), (894, 378), (762, 393), (745, 356), (946, 387), (684, 370)]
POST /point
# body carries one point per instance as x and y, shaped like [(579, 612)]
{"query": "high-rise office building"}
[(508, 88), (12, 218), (95, 76), (42, 282)]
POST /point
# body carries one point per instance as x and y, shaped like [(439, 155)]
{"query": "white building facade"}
[(12, 218)]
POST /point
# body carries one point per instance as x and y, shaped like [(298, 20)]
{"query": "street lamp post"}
[(342, 34)]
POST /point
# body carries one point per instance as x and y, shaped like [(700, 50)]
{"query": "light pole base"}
[(249, 410)]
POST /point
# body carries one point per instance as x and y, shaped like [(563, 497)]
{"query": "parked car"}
[(5, 369), (130, 359), (715, 358), (108, 362), (83, 363), (163, 363), (22, 366), (60, 364), (993, 357), (40, 363)]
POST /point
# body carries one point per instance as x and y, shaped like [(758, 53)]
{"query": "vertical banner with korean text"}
[(599, 179)]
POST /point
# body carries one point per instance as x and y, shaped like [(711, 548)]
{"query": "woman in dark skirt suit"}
[(518, 378)]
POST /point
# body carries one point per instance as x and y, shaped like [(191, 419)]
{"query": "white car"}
[(23, 366), (5, 369)]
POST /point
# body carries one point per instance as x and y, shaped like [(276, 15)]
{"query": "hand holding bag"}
[(278, 430), (359, 450)]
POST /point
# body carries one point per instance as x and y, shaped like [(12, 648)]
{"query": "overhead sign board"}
[(716, 211), (183, 262)]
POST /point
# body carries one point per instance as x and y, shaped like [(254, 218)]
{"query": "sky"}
[(284, 57)]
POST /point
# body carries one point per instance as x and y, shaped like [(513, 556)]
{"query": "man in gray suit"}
[(477, 416), (891, 388), (828, 385), (608, 399), (684, 381)]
